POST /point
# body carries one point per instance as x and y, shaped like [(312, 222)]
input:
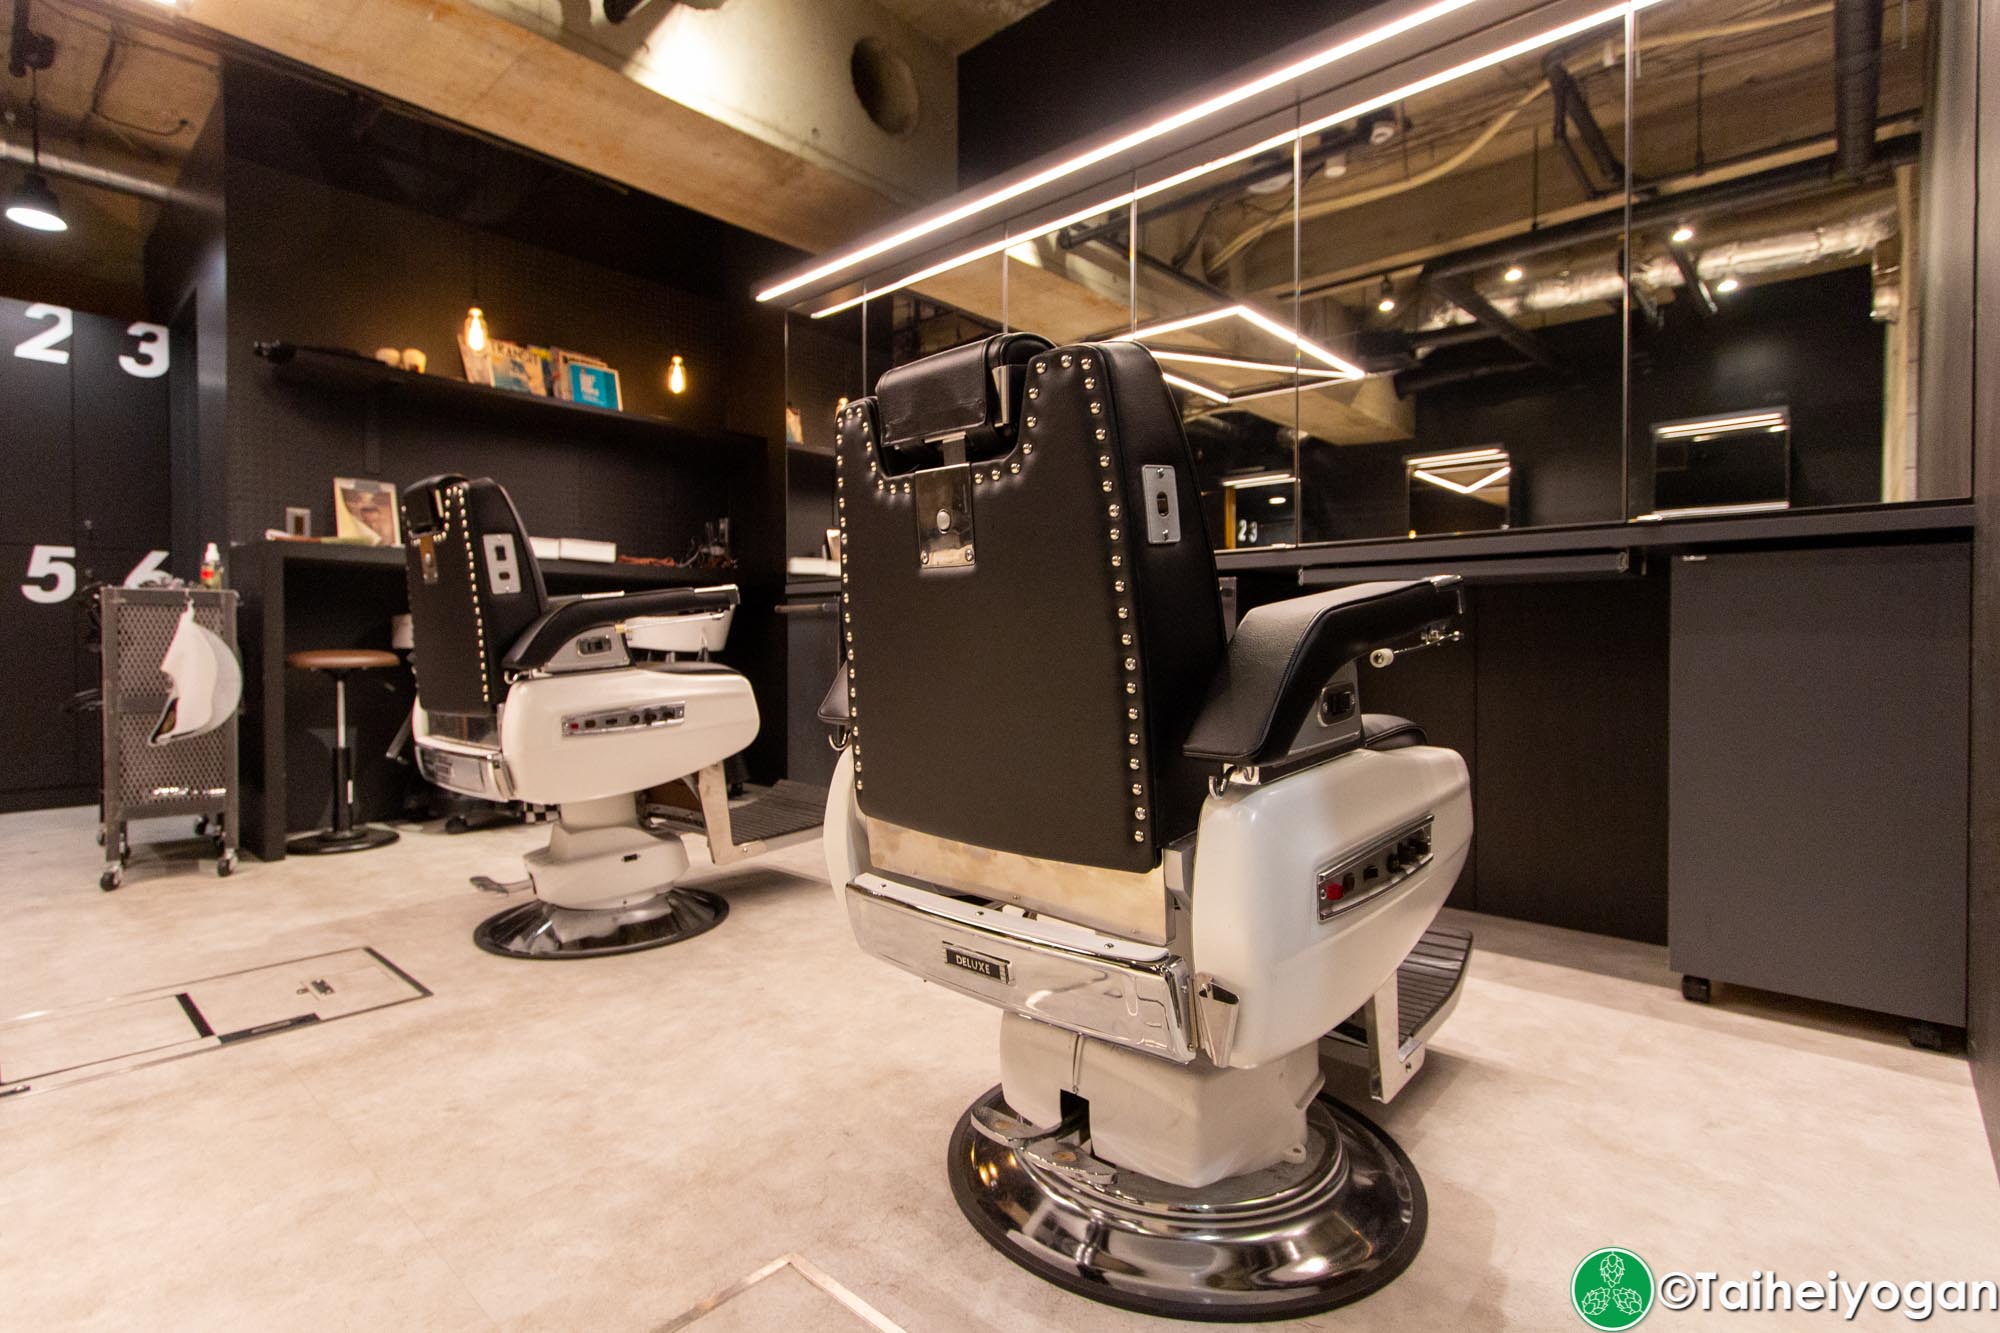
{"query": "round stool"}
[(344, 836)]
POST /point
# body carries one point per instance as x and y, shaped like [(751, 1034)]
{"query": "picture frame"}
[(367, 512)]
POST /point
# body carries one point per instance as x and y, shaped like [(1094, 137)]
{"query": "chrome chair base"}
[(535, 929), (1291, 1240)]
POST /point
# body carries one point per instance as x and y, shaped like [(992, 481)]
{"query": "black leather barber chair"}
[(1175, 862), (580, 703)]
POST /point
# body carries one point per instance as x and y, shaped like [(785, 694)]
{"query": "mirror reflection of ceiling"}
[(1455, 215)]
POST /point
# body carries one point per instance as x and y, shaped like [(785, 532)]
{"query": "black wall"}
[(87, 487), (1808, 343), (1085, 65)]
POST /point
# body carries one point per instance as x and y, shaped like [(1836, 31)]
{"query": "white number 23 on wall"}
[(52, 573), (146, 361)]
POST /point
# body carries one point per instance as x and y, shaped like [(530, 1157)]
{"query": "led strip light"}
[(848, 260), (1090, 157)]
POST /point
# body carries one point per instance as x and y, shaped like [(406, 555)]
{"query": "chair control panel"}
[(1162, 505), (635, 718), (1379, 866), (503, 569)]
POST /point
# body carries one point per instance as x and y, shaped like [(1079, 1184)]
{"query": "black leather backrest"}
[(467, 606), (1034, 700)]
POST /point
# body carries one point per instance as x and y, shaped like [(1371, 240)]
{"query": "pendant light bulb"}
[(32, 204), (677, 376), (475, 329), (1386, 303)]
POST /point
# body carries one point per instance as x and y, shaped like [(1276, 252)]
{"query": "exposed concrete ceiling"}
[(127, 103), (746, 113), (959, 25)]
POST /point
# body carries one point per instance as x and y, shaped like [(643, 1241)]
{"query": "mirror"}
[(1471, 490), (1730, 463)]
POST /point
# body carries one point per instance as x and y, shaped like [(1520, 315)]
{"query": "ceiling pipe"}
[(1852, 238), (68, 168), (1857, 83), (1767, 187)]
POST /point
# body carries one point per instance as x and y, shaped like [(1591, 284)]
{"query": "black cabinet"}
[(1817, 797)]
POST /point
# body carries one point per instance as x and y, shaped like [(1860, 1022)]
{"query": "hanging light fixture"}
[(475, 329), (1386, 303), (32, 203), (1727, 285), (1682, 234), (677, 376), (1514, 273)]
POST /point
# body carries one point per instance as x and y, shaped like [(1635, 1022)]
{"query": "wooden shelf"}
[(344, 371)]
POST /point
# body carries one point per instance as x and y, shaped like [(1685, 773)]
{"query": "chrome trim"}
[(1118, 990), (1369, 891), (467, 769)]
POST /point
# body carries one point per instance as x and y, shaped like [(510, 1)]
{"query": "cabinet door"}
[(1817, 827), (39, 660), (36, 353)]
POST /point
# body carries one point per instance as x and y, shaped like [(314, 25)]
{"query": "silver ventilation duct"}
[(1850, 238)]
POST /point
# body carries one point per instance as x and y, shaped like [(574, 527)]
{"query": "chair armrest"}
[(565, 620), (1286, 652)]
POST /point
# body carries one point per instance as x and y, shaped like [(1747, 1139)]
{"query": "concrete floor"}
[(604, 1144)]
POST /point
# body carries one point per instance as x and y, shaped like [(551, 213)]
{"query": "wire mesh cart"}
[(194, 775)]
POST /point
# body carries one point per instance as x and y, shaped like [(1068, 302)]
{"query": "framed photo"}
[(595, 385), (366, 512)]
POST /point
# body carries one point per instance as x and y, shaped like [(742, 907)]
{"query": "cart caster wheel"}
[(225, 866), (100, 837), (456, 824), (201, 826), (110, 880), (1695, 990), (1926, 1036)]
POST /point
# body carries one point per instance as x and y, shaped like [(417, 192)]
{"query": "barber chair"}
[(1176, 862), (550, 701)]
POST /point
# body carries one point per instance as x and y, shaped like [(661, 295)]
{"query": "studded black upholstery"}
[(1032, 697), (464, 618)]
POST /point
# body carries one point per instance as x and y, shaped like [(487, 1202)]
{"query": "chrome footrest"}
[(1412, 1007)]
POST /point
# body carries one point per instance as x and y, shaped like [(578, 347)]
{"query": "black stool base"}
[(328, 841)]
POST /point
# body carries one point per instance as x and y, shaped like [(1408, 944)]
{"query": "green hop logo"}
[(1612, 1289)]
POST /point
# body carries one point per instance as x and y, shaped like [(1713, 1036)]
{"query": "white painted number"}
[(151, 362), (51, 562), (42, 347), (150, 565)]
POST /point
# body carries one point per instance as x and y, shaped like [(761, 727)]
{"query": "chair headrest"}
[(972, 392)]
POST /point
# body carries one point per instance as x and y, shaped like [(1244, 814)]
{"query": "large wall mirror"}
[(1523, 274)]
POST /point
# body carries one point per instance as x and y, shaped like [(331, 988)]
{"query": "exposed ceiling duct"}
[(1857, 87), (62, 165), (1783, 252)]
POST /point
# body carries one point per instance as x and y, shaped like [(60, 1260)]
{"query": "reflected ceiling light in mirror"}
[(850, 259), (1243, 479), (1386, 302), (1723, 425), (1195, 387), (1280, 499), (1241, 363), (1497, 474), (1257, 319), (1514, 273), (1682, 235), (1727, 285)]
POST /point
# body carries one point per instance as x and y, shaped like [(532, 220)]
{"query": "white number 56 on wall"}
[(52, 573), (147, 360)]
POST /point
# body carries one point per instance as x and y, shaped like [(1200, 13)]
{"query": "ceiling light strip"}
[(1319, 60), (1494, 455), (1473, 66), (1460, 487), (1239, 363), (1195, 387), (1260, 479), (1711, 425)]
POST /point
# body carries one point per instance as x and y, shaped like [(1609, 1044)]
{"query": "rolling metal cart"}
[(195, 775)]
